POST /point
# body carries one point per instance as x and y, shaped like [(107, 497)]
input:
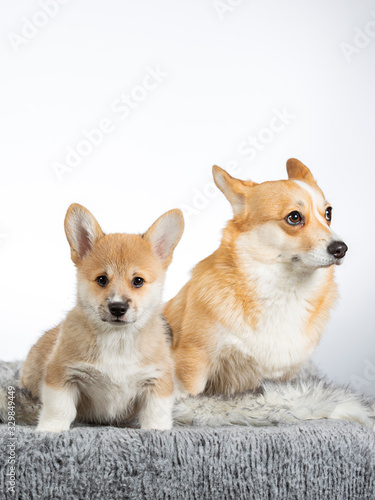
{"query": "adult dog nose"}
[(118, 308), (338, 249)]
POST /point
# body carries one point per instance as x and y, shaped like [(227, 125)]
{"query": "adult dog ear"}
[(82, 231), (297, 170), (235, 190), (164, 234)]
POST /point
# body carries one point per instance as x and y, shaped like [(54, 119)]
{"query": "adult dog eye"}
[(102, 280), (329, 214), (294, 218), (138, 282)]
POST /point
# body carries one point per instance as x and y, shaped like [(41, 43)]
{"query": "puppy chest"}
[(110, 390), (128, 377)]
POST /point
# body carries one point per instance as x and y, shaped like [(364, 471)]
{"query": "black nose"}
[(118, 308), (338, 249)]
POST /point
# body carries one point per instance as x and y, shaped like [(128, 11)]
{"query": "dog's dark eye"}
[(102, 280), (329, 214), (294, 218), (138, 282)]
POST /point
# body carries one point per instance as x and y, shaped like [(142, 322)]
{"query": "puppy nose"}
[(338, 249), (118, 308)]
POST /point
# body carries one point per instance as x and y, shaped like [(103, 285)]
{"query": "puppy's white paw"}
[(59, 409), (52, 427), (158, 426), (156, 413)]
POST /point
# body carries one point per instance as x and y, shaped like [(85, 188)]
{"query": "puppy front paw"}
[(162, 425), (157, 414), (157, 426), (52, 426)]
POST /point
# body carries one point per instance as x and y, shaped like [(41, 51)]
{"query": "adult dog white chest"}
[(279, 343)]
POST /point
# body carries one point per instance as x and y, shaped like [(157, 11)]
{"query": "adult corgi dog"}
[(110, 358), (255, 309)]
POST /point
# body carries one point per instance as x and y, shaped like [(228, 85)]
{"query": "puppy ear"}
[(82, 231), (297, 170), (165, 233), (233, 189)]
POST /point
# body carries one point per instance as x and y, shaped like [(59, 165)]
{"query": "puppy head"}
[(286, 221), (121, 276)]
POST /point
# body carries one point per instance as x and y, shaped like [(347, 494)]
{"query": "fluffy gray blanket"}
[(261, 447)]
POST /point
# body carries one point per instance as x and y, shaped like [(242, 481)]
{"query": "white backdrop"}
[(124, 106)]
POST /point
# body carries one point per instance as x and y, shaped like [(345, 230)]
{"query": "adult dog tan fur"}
[(256, 308)]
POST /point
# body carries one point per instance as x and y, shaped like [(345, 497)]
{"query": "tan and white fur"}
[(110, 358), (256, 308)]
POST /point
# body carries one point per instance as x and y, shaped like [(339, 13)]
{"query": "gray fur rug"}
[(248, 457), (308, 397)]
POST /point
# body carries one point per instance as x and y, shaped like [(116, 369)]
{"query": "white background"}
[(228, 70)]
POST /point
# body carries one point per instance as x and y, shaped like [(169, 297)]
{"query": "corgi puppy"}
[(110, 358), (256, 308)]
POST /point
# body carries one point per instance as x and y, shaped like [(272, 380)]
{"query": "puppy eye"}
[(294, 218), (102, 280), (329, 214), (138, 282)]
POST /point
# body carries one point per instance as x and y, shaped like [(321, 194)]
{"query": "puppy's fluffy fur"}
[(255, 309), (110, 358)]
